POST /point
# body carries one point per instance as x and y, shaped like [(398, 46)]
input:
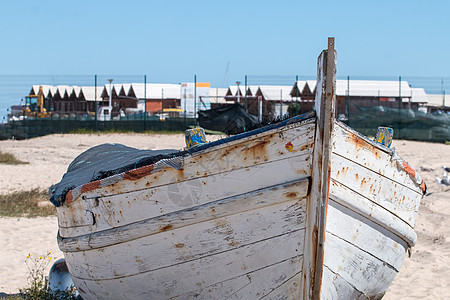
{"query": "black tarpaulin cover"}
[(230, 119), (103, 161)]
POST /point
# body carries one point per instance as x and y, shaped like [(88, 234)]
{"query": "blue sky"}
[(170, 41)]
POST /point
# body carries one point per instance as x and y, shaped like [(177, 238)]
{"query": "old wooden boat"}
[(305, 208)]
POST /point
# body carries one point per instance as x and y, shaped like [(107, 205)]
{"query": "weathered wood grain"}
[(318, 201), (243, 153), (200, 273), (366, 235), (360, 150), (372, 211), (336, 288), (398, 199), (173, 188), (191, 242), (280, 281), (118, 210), (361, 269)]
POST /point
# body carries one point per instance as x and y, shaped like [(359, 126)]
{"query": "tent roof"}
[(156, 91), (438, 100), (275, 92), (89, 93)]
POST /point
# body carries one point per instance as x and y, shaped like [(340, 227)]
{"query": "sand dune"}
[(424, 275)]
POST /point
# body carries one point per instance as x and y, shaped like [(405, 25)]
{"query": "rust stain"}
[(359, 143), (363, 182), (257, 150), (409, 170), (90, 186), (356, 175), (315, 237), (301, 171), (179, 245), (292, 195), (234, 243), (69, 197), (423, 186), (166, 228), (138, 173), (306, 146), (180, 174), (344, 170)]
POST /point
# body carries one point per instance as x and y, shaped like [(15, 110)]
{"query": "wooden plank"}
[(121, 209), (336, 288), (398, 199), (366, 235), (317, 205), (292, 191), (282, 280), (190, 242), (200, 273), (372, 211), (365, 272), (364, 153), (286, 291)]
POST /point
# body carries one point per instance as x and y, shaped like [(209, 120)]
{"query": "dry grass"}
[(29, 204), (9, 159)]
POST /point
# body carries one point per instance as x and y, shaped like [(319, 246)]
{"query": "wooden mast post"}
[(318, 199)]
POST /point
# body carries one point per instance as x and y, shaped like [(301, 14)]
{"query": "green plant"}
[(36, 266), (10, 159), (33, 203), (38, 284)]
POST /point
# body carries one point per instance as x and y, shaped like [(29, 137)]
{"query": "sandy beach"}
[(424, 275)]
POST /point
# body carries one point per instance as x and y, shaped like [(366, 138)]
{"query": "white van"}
[(104, 113)]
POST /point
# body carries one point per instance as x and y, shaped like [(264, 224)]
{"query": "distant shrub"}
[(10, 159)]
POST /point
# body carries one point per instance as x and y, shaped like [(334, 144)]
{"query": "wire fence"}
[(431, 84), (353, 104)]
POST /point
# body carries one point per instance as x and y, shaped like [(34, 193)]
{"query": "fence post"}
[(399, 104), (96, 107), (195, 99), (347, 99), (246, 106), (296, 95), (145, 102)]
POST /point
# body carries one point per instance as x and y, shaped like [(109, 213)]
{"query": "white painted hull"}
[(248, 217), (371, 213), (215, 228)]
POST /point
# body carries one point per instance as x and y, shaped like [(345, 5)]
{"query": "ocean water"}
[(13, 88)]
